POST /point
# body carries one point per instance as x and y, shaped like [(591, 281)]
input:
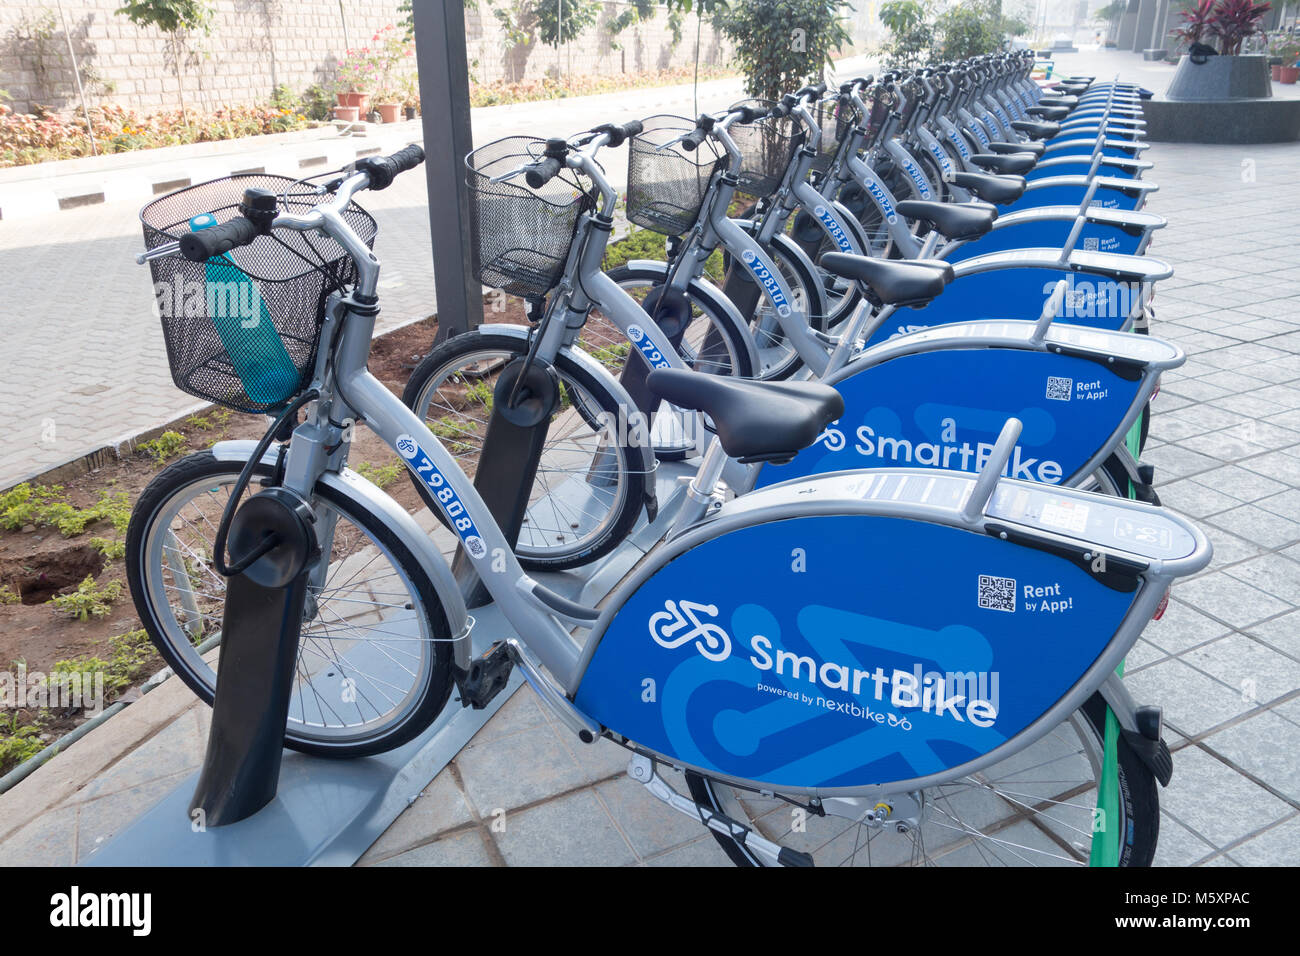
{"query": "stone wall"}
[(256, 44)]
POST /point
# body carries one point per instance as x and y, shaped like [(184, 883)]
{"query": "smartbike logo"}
[(966, 697), (834, 228), (947, 453), (768, 281)]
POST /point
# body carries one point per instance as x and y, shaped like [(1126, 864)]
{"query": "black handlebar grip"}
[(749, 114), (543, 171), (619, 134), (383, 169), (806, 91), (692, 140), (213, 241), (780, 111)]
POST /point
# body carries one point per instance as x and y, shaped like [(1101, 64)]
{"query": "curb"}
[(46, 191)]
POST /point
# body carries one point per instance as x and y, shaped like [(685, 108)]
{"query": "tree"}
[(782, 45), (562, 21), (974, 28), (911, 33), (179, 20)]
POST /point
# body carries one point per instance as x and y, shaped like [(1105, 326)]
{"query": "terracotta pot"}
[(388, 112), (357, 99), (1289, 74), (1276, 70), (342, 98), (349, 114)]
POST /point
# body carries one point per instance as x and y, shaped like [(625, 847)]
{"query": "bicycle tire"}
[(1138, 830), (583, 387), (433, 683)]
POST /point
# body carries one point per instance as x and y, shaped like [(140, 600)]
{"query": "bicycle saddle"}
[(1065, 100), (950, 220), (1034, 149), (1049, 113), (1036, 129), (755, 421), (892, 281), (1013, 163), (994, 189)]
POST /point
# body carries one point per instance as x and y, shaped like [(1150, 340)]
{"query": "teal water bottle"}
[(244, 324)]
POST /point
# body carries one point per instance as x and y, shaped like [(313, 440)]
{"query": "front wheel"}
[(591, 477), (1037, 808), (374, 657)]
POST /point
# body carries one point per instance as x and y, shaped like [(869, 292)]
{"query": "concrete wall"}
[(256, 44)]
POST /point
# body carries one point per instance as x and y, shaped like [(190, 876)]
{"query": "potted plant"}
[(1220, 71), (357, 72), (411, 96), (1283, 51), (388, 104)]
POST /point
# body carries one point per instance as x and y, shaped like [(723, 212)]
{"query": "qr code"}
[(997, 594), (1059, 389), (1090, 243)]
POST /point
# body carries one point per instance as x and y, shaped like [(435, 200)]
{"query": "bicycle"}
[(855, 770)]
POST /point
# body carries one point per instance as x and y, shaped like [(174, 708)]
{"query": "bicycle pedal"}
[(487, 676)]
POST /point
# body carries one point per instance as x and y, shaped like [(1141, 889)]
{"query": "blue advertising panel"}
[(840, 652), (1050, 234), (945, 409), (1020, 293), (1072, 195), (1083, 167)]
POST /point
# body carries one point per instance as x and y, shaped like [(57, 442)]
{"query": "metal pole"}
[(444, 99), (76, 72)]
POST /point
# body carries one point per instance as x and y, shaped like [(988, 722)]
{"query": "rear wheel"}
[(1037, 808)]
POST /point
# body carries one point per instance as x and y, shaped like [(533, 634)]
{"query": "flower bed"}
[(37, 138)]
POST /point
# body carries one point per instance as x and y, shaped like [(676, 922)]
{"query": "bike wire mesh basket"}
[(666, 184), (242, 328), (521, 235), (834, 116), (766, 147)]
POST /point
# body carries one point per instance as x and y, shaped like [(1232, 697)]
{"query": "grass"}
[(89, 600), (44, 506), (7, 596), (381, 475), (167, 445), (128, 655), (18, 742), (451, 430)]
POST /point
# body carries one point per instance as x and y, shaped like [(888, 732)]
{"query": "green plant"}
[(783, 44), (129, 653), (179, 20), (911, 34), (166, 445), (111, 548), (18, 742), (974, 28), (562, 21), (44, 506), (381, 475), (452, 431), (7, 596), (89, 600)]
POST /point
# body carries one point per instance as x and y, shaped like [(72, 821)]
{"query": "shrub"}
[(89, 600)]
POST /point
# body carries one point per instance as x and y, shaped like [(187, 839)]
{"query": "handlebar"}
[(372, 172)]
